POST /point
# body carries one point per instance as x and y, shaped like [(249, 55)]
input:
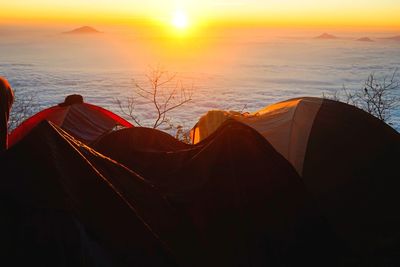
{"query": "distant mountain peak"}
[(365, 39), (326, 36), (396, 38), (83, 30)]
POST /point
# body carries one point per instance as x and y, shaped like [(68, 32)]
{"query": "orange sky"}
[(313, 13)]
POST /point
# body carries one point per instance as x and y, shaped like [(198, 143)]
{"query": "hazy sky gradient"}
[(379, 13)]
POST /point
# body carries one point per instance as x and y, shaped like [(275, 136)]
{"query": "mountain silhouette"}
[(365, 39), (326, 36), (83, 30), (396, 38)]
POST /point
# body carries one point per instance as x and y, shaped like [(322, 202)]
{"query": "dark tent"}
[(233, 201), (245, 201), (347, 159), (63, 204)]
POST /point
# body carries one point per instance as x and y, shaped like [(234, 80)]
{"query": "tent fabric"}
[(84, 121), (138, 197), (351, 168), (231, 201), (142, 139), (69, 207), (286, 125), (245, 201), (348, 161)]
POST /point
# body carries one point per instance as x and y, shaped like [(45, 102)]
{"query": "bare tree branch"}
[(129, 109), (377, 96), (163, 91)]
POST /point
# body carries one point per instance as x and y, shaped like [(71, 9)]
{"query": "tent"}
[(286, 125), (63, 204), (243, 199), (233, 201), (138, 197), (347, 159), (84, 121)]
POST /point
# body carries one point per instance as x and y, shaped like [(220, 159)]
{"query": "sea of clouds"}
[(256, 74)]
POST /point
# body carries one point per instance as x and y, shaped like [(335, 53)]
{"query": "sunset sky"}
[(357, 13)]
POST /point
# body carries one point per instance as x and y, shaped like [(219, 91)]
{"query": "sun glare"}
[(180, 20)]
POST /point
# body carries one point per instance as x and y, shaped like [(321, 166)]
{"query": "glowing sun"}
[(180, 20)]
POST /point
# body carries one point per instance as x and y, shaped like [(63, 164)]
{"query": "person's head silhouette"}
[(6, 101)]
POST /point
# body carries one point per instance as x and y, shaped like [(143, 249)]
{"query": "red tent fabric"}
[(84, 121)]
